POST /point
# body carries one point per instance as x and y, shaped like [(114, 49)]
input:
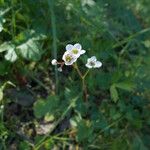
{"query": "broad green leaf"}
[(11, 55), (6, 46), (129, 86), (24, 36), (114, 93), (21, 96), (44, 107), (40, 108), (84, 131), (28, 46), (24, 145), (30, 50)]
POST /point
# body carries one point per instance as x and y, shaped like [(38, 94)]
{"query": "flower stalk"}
[(82, 77)]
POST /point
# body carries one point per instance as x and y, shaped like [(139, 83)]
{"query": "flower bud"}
[(54, 62), (59, 69)]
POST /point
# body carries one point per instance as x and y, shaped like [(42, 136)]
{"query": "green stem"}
[(84, 87), (78, 70), (53, 23), (86, 73), (131, 37), (13, 22)]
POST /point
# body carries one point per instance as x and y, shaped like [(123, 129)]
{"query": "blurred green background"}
[(43, 109)]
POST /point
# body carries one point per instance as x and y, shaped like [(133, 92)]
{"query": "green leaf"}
[(2, 20), (28, 46), (44, 107), (30, 50), (10, 48), (129, 86), (114, 93), (84, 131), (21, 96), (6, 46), (24, 145), (4, 67), (11, 55), (40, 109)]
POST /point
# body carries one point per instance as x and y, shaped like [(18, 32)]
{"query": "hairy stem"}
[(84, 87), (78, 70)]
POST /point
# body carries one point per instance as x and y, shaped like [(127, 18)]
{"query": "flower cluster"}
[(72, 53)]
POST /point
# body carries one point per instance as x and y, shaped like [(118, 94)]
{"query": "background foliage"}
[(41, 108)]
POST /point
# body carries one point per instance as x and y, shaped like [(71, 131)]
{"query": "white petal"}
[(76, 55), (93, 58), (70, 63), (78, 46), (71, 55), (88, 66), (69, 47), (88, 60), (82, 52), (64, 55), (98, 64)]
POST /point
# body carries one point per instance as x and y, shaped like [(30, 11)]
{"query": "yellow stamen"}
[(68, 58), (75, 51)]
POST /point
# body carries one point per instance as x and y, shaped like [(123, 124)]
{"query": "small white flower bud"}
[(54, 62), (59, 69)]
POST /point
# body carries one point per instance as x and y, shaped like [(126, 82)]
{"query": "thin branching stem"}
[(53, 23), (78, 70), (84, 87)]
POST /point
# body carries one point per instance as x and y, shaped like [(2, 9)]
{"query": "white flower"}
[(75, 49), (93, 63), (69, 58), (54, 62)]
